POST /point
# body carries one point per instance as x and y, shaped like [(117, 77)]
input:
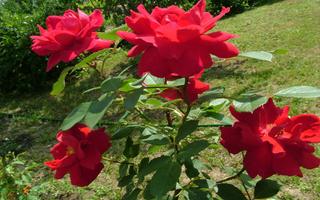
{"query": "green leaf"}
[(249, 103), (97, 110), (217, 105), (198, 164), (221, 117), (197, 194), (210, 94), (143, 164), (153, 165), (300, 92), (131, 150), (153, 80), (111, 84), (259, 55), (205, 183), (158, 139), (126, 180), (125, 132), (230, 192), (192, 149), (155, 149), (133, 195), (123, 169), (154, 102), (280, 51), (191, 170), (132, 99), (112, 33), (149, 131), (186, 129), (75, 116), (266, 188), (60, 84), (164, 179), (177, 82), (127, 85)]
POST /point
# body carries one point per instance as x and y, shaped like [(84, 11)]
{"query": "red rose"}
[(190, 95), (79, 153), (174, 42), (274, 143), (68, 36)]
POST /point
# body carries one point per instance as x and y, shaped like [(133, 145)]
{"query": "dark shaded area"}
[(16, 144)]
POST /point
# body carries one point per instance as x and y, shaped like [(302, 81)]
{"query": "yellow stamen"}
[(70, 150)]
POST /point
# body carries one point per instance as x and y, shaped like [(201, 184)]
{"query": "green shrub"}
[(20, 68)]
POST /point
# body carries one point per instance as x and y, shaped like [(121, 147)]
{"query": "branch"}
[(232, 177)]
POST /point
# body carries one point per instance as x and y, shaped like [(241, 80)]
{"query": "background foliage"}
[(20, 68)]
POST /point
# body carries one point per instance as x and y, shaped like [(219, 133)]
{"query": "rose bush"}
[(162, 114)]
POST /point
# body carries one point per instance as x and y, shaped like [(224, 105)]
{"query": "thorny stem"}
[(186, 100), (119, 162), (169, 118), (232, 177), (143, 115), (186, 113)]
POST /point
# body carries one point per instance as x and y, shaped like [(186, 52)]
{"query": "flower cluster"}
[(79, 153), (68, 36), (175, 43), (274, 142)]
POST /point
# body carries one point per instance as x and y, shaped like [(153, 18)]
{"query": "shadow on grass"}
[(15, 144), (253, 4), (234, 70)]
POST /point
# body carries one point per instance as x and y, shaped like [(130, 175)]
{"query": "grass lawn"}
[(291, 24)]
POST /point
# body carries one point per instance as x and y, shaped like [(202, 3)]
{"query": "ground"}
[(292, 24)]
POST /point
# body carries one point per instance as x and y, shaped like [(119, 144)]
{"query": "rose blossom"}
[(79, 153), (174, 42), (274, 143), (68, 36)]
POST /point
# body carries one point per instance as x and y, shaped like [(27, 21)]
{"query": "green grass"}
[(293, 25)]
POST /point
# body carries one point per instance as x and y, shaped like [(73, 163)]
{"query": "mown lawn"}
[(292, 24)]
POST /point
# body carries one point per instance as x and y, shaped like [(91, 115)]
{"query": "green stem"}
[(185, 117), (119, 162), (186, 113), (232, 177), (246, 189), (143, 115)]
